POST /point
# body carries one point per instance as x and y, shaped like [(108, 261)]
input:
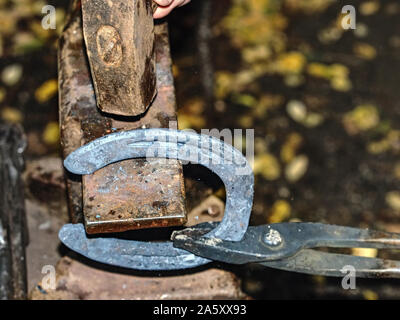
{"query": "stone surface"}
[(77, 280)]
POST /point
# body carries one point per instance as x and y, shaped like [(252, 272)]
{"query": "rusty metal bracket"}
[(223, 159)]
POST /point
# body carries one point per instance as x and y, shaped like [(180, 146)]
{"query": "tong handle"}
[(288, 246), (314, 262)]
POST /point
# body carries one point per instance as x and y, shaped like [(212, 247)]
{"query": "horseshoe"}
[(221, 158)]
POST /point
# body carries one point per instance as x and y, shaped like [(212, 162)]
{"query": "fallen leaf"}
[(319, 70), (342, 84), (51, 133), (291, 62), (397, 170), (290, 147), (11, 115), (361, 31), (12, 74), (393, 200), (280, 211), (3, 94), (390, 142), (267, 166), (246, 100), (188, 121), (368, 8), (370, 295), (245, 121), (313, 120), (296, 168), (362, 118), (296, 110), (46, 91), (364, 51)]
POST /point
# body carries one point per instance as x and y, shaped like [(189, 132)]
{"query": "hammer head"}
[(119, 37)]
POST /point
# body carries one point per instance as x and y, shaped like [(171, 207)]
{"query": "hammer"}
[(119, 38)]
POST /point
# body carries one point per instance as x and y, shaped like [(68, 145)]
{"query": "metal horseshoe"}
[(223, 159)]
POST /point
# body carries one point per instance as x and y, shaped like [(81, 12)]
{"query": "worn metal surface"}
[(77, 104), (224, 160), (122, 202), (119, 37), (81, 281), (13, 228), (287, 246), (44, 181), (6, 289), (153, 208)]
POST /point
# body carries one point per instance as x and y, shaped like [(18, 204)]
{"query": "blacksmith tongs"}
[(286, 246)]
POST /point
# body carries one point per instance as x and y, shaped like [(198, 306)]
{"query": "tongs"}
[(292, 247)]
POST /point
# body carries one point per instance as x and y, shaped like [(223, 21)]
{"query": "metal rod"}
[(13, 238)]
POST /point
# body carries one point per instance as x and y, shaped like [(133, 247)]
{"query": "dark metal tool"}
[(287, 246)]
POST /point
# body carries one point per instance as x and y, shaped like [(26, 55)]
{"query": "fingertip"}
[(161, 12), (157, 14), (164, 10), (163, 2)]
